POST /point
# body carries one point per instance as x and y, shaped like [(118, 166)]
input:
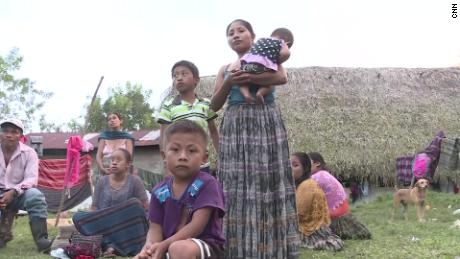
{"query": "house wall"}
[(53, 154), (148, 158)]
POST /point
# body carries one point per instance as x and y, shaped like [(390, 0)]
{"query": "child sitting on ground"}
[(186, 209), (119, 200), (265, 55), (343, 223)]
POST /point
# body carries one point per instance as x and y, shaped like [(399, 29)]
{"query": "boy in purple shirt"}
[(186, 209)]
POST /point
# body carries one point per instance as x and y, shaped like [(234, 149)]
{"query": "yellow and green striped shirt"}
[(176, 109)]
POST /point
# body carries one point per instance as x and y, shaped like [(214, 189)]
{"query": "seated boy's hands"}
[(158, 250), (145, 253)]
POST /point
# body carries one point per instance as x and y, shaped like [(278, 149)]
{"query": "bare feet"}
[(249, 99), (259, 98)]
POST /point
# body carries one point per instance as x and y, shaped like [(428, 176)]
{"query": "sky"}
[(68, 45)]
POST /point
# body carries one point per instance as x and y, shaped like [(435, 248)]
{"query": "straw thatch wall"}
[(361, 119)]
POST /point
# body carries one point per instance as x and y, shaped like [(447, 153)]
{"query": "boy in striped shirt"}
[(187, 105)]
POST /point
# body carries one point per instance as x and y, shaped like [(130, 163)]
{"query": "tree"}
[(95, 120), (18, 96), (75, 126), (130, 101), (48, 126)]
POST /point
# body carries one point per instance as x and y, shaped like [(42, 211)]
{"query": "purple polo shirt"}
[(204, 191)]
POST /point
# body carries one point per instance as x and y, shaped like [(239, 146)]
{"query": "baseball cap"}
[(15, 122)]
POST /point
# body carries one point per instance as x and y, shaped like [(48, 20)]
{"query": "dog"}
[(415, 195)]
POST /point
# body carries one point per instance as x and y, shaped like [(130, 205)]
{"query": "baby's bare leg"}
[(247, 95), (261, 92)]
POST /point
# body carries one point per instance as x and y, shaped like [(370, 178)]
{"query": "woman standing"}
[(110, 140), (254, 166)]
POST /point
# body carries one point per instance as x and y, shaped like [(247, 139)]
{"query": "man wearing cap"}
[(18, 176)]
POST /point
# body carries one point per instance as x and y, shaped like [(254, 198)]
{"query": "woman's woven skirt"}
[(348, 227), (322, 239), (254, 169)]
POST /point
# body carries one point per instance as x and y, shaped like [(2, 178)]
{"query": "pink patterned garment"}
[(74, 147), (335, 194), (421, 165)]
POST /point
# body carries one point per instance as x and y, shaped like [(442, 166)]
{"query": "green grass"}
[(390, 239), (393, 239), (23, 246)]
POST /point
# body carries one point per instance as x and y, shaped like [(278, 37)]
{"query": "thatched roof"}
[(361, 119)]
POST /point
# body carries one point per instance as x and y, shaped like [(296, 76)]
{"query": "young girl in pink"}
[(343, 223)]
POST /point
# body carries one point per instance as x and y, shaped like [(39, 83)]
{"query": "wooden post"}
[(66, 189)]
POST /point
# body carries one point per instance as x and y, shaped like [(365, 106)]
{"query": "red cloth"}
[(84, 257), (52, 172), (23, 139), (72, 170), (342, 210)]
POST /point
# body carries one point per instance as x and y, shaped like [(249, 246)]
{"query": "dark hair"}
[(187, 127), (245, 24), (126, 154), (317, 157), (187, 64), (114, 113), (284, 34), (306, 164)]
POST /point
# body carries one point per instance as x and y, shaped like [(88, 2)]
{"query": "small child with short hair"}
[(186, 209), (264, 56)]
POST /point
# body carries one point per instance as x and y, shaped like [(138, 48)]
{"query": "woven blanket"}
[(404, 170), (433, 151), (124, 226), (449, 154), (51, 176)]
